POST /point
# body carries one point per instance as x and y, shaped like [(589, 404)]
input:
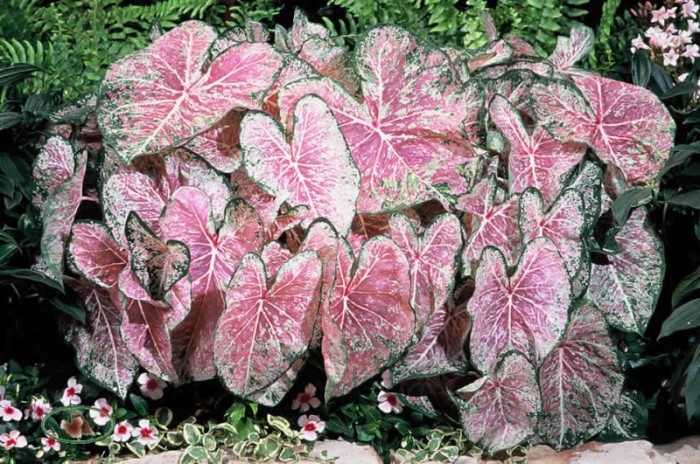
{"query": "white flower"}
[(689, 9), (122, 431), (12, 440), (70, 394), (637, 44), (144, 433), (50, 443), (386, 377), (307, 399), (38, 409), (9, 412), (151, 386), (101, 417), (389, 402), (311, 426), (671, 58), (693, 26)]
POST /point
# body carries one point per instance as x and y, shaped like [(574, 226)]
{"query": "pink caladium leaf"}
[(563, 223), (432, 260), (535, 159), (252, 31), (265, 204), (264, 329), (164, 95), (293, 69), (58, 214), (274, 393), (524, 309), (627, 287), (520, 46), (500, 411), (580, 380), (214, 257), (157, 265), (100, 350), (513, 84), (407, 136), (95, 255), (371, 310), (273, 256), (315, 169), (54, 164), (286, 220), (220, 146), (488, 223), (495, 53), (626, 125), (587, 180), (570, 50)]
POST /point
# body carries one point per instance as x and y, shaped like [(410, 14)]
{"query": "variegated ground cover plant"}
[(442, 213)]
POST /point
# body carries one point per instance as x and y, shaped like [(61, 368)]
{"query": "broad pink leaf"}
[(95, 255), (627, 288), (252, 31), (100, 350), (563, 223), (524, 310), (514, 84), (54, 164), (570, 50), (265, 329), (432, 260), (219, 146), (163, 96), (581, 381), (315, 170), (157, 265), (626, 125), (407, 136), (273, 256), (293, 69), (588, 182), (214, 257), (265, 204), (535, 159), (287, 219), (131, 287), (274, 393), (500, 411), (520, 46), (495, 53), (488, 223), (370, 308)]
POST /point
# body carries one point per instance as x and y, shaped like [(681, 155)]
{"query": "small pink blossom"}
[(9, 412), (658, 38), (311, 426), (662, 14), (12, 439), (144, 433), (691, 52), (50, 443), (122, 431), (38, 409), (151, 386), (689, 9), (671, 58), (307, 399), (101, 417), (693, 27), (70, 394), (389, 402), (670, 29), (386, 375)]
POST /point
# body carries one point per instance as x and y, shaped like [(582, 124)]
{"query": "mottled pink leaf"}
[(370, 308), (315, 169), (535, 159), (588, 182), (524, 310), (95, 255), (514, 84), (100, 350), (570, 50), (500, 411), (214, 257), (163, 95), (581, 381), (274, 255), (54, 164), (495, 53), (252, 31), (293, 69), (407, 136), (130, 286), (275, 392), (520, 46), (626, 125), (287, 219), (219, 146), (626, 289), (266, 205)]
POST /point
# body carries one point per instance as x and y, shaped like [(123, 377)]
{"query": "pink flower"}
[(38, 409), (689, 9), (310, 427), (101, 417), (691, 52), (671, 58), (389, 402), (151, 386), (12, 440), (9, 412), (307, 399), (693, 27), (686, 37), (70, 394), (122, 431), (658, 38), (386, 375), (50, 443), (144, 433), (638, 44), (662, 14)]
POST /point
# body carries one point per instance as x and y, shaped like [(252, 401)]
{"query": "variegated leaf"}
[(54, 164), (570, 50), (95, 255), (220, 146), (273, 256)]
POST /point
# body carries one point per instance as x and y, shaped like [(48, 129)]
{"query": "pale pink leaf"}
[(570, 50), (287, 219), (95, 255), (54, 164), (494, 53), (274, 255), (219, 146), (265, 204), (293, 69)]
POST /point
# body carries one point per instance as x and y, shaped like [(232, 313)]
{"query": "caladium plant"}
[(433, 212)]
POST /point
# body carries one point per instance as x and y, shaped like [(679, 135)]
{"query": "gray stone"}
[(684, 451)]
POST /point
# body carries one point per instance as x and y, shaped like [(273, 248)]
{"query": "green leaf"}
[(209, 442), (689, 284), (197, 453), (690, 199), (137, 448), (692, 389), (626, 201), (76, 310), (9, 119), (686, 316), (641, 68), (192, 434), (684, 88), (164, 416), (235, 413), (140, 405), (680, 155), (16, 73), (32, 275)]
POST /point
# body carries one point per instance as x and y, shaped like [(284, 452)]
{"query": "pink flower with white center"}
[(50, 443), (307, 399), (693, 27), (389, 402), (9, 412), (12, 439), (311, 426), (70, 394), (690, 9), (122, 431), (151, 386), (671, 58), (386, 375), (144, 433), (38, 409), (101, 417)]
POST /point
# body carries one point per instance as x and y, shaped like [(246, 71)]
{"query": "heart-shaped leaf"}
[(95, 255)]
